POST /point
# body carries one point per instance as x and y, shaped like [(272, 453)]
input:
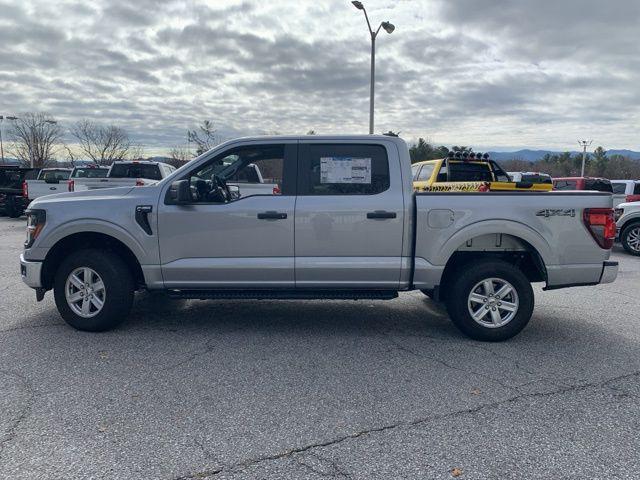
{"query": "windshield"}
[(135, 170), (90, 173)]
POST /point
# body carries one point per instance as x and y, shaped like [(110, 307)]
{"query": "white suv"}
[(628, 226)]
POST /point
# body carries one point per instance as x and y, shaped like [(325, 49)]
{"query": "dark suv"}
[(12, 177)]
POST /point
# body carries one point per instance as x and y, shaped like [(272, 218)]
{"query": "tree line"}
[(38, 139), (566, 164)]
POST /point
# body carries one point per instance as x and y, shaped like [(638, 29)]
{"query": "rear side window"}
[(599, 185), (90, 172), (619, 187), (466, 172), (565, 185), (425, 173), (135, 170), (342, 169)]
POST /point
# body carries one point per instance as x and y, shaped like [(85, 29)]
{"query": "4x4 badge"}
[(556, 212)]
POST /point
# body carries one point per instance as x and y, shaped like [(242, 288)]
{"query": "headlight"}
[(35, 221), (618, 213)]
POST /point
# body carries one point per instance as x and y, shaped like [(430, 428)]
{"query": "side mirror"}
[(234, 190), (180, 192)]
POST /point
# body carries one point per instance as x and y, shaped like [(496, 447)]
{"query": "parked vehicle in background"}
[(472, 172), (530, 177), (346, 224), (135, 173), (86, 171), (12, 177), (628, 226), (48, 182), (250, 181), (583, 183), (625, 191)]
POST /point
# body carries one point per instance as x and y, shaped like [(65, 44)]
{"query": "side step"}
[(284, 294)]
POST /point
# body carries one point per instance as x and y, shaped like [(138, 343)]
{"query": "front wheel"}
[(490, 300), (630, 238), (93, 290)]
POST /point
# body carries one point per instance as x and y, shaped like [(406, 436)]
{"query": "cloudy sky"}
[(487, 73)]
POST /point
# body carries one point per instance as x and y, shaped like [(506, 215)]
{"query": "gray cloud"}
[(485, 72)]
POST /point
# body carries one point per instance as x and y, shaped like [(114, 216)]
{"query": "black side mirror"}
[(180, 192)]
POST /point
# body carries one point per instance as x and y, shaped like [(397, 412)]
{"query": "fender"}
[(92, 225), (505, 227)]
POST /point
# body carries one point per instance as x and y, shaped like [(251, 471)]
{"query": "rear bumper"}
[(609, 272), (31, 272)]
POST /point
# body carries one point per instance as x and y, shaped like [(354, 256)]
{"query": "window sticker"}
[(345, 170)]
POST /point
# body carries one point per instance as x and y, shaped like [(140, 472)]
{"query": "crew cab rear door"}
[(349, 215)]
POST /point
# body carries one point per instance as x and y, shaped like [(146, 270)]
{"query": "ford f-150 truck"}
[(345, 224), (628, 225), (48, 182)]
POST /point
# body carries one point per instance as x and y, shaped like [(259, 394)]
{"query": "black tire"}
[(625, 238), (461, 287), (12, 210), (428, 293), (118, 288)]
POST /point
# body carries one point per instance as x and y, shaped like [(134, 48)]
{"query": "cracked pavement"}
[(319, 389)]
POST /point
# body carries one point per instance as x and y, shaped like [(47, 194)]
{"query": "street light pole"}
[(584, 144), (389, 28), (1, 146)]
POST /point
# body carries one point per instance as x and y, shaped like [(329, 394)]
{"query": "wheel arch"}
[(89, 240)]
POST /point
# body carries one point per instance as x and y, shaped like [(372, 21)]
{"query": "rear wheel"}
[(630, 238), (93, 290), (490, 300)]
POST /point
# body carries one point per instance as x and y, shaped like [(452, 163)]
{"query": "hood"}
[(629, 205), (100, 194)]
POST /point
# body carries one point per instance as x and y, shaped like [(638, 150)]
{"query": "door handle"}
[(272, 215), (381, 214)]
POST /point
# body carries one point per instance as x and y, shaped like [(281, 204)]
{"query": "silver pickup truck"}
[(345, 224)]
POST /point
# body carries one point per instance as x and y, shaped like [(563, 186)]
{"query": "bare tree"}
[(136, 152), (179, 156), (103, 144), (35, 139), (205, 137)]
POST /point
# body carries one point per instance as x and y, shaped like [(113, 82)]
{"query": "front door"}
[(242, 240), (349, 216)]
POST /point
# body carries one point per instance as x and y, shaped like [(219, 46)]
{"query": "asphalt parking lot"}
[(317, 389)]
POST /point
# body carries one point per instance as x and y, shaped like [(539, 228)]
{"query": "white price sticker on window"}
[(345, 170)]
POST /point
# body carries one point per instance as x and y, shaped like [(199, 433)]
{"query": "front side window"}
[(241, 172), (425, 173), (343, 169)]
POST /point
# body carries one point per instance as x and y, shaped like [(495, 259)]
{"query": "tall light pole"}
[(2, 117), (584, 144), (389, 28)]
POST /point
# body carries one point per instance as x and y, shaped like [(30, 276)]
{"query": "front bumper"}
[(609, 272), (31, 272)]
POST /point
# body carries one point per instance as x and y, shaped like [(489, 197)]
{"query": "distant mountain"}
[(533, 155)]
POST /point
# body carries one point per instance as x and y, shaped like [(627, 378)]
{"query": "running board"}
[(284, 294)]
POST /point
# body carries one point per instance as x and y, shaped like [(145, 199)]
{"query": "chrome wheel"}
[(85, 292), (633, 239), (493, 302)]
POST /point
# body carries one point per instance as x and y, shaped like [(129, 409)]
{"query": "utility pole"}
[(584, 144), (389, 28)]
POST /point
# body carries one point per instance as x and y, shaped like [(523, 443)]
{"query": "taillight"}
[(632, 198), (72, 185), (139, 183), (276, 190), (25, 189), (601, 224)]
